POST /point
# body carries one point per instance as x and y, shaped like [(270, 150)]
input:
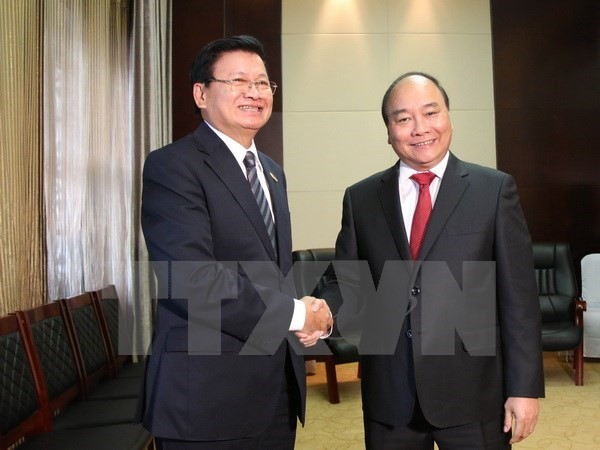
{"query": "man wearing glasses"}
[(223, 373)]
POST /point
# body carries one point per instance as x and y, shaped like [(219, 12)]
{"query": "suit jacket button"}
[(415, 290), (409, 334)]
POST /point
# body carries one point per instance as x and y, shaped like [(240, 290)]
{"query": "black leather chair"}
[(307, 283), (26, 419), (106, 301), (64, 379), (562, 309), (92, 349)]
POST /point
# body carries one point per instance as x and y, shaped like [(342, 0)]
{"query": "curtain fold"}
[(22, 251)]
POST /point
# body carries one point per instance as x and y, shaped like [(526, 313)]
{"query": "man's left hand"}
[(524, 413)]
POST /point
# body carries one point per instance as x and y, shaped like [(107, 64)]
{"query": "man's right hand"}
[(318, 315), (317, 323)]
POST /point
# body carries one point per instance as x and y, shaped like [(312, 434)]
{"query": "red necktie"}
[(422, 212)]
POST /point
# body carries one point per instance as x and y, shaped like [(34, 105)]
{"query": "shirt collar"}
[(406, 172), (237, 149)]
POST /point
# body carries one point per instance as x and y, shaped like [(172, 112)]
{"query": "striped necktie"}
[(261, 200)]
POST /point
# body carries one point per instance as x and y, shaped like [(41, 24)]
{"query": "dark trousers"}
[(421, 435), (280, 435)]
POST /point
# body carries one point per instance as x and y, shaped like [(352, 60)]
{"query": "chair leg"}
[(332, 384), (578, 364)]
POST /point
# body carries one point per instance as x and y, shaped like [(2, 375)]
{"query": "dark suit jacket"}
[(197, 210), (476, 217)]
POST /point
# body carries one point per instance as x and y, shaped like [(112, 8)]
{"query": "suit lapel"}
[(454, 183), (390, 203), (222, 162)]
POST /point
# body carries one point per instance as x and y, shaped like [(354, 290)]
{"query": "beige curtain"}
[(106, 105), (22, 259)]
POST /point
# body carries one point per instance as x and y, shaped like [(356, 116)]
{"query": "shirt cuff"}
[(299, 316), (329, 332)]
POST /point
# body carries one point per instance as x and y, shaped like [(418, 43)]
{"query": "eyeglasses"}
[(241, 85)]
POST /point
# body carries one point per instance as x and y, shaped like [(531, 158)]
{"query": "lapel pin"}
[(274, 177)]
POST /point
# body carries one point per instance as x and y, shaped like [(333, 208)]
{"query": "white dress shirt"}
[(409, 189)]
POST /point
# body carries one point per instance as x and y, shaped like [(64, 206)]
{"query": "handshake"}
[(318, 322)]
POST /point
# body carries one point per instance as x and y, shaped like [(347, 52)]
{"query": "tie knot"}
[(423, 178), (249, 160)]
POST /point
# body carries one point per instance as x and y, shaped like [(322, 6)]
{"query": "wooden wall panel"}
[(195, 23), (547, 97)]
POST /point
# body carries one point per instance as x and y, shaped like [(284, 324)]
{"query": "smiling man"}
[(223, 373), (431, 207)]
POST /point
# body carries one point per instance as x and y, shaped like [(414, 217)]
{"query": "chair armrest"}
[(580, 307)]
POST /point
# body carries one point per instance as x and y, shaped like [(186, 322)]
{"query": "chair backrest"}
[(590, 279), (20, 392), (91, 346), (557, 286), (56, 353), (109, 304), (106, 301), (306, 278)]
